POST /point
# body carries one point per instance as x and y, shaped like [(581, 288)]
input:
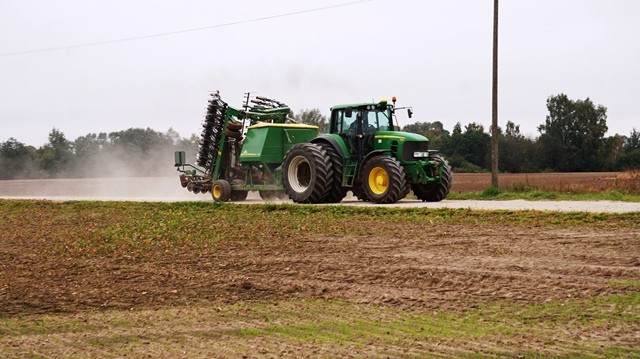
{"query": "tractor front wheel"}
[(221, 190), (307, 173), (384, 180), (435, 192)]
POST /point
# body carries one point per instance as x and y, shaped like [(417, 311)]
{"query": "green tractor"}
[(259, 149)]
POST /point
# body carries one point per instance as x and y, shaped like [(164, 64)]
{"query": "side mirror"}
[(179, 158), (410, 112), (348, 112)]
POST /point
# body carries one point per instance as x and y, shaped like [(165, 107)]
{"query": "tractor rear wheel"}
[(336, 191), (384, 180), (435, 192), (307, 173), (221, 190)]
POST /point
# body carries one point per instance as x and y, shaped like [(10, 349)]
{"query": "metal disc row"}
[(212, 130)]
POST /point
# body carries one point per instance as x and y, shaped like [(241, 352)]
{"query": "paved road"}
[(168, 189)]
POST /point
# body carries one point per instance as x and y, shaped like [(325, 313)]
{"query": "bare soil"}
[(560, 182), (421, 268), (444, 267)]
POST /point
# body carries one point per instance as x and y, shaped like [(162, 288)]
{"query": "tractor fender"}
[(335, 141), (372, 154)]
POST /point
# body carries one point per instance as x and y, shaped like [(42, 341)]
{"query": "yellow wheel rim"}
[(217, 192), (378, 180)]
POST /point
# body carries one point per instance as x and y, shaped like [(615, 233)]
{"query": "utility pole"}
[(494, 101)]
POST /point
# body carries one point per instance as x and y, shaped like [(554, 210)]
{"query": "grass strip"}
[(557, 328)]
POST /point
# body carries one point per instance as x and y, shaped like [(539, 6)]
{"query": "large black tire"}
[(435, 192), (221, 190), (307, 173), (336, 191), (272, 195), (358, 192), (238, 196), (384, 180)]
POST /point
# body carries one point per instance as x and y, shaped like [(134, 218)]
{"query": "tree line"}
[(134, 152), (572, 139)]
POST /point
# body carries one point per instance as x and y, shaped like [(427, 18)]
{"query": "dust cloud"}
[(116, 188)]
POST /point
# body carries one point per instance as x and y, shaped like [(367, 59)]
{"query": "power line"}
[(163, 34)]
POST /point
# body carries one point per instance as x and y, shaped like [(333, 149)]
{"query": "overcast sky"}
[(432, 55)]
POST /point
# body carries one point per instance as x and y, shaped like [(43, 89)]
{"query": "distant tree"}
[(89, 153), (189, 145), (451, 147), (434, 131), (56, 156), (613, 151), (517, 152), (630, 159), (313, 117), (633, 141), (139, 152), (468, 149), (572, 136), (138, 139), (17, 160), (89, 145), (172, 135), (476, 144)]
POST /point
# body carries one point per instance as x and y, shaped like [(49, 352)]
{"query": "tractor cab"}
[(358, 123)]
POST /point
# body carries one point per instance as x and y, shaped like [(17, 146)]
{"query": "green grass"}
[(504, 327), (502, 318), (532, 194)]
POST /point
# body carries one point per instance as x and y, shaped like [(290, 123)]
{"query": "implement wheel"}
[(221, 190), (238, 195), (384, 180), (307, 173), (272, 195)]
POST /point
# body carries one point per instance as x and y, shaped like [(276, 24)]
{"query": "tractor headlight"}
[(421, 154)]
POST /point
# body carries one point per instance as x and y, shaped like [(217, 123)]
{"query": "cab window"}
[(343, 120)]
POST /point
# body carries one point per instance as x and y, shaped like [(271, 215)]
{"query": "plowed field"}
[(270, 281)]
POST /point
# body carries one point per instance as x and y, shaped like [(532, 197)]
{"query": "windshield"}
[(377, 120)]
